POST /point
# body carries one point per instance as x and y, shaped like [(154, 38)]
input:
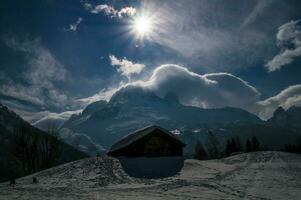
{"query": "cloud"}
[(125, 67), (110, 10), (27, 112), (288, 97), (46, 120), (104, 94), (289, 41), (38, 80), (21, 92), (206, 91), (73, 27)]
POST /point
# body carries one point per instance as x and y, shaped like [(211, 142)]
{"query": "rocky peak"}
[(279, 111), (280, 116)]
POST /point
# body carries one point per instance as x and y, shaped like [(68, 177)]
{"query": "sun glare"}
[(142, 26)]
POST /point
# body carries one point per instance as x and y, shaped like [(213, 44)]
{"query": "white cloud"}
[(125, 67), (39, 78), (104, 94), (126, 11), (73, 27), (42, 119), (207, 91), (46, 120), (289, 41), (110, 10), (288, 97)]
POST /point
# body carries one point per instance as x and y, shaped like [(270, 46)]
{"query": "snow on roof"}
[(132, 137)]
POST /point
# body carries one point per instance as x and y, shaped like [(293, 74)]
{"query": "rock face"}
[(279, 117)]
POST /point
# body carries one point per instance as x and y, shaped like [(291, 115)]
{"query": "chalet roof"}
[(132, 137)]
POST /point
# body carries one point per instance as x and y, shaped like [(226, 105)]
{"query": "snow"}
[(258, 175)]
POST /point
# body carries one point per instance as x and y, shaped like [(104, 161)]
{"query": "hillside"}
[(10, 122), (258, 175)]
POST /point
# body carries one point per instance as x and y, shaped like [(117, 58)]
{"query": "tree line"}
[(233, 145), (32, 151), (293, 148)]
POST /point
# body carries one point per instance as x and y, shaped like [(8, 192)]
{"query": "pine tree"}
[(228, 148), (298, 145), (248, 146), (255, 144), (233, 145), (200, 153), (213, 146), (238, 144)]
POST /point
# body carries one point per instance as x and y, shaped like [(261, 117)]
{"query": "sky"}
[(58, 56)]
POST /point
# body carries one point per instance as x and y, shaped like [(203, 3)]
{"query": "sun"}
[(142, 26)]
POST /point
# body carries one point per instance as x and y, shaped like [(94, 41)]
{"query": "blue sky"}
[(57, 56)]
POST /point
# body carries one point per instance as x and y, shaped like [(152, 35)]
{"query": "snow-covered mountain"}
[(133, 107)]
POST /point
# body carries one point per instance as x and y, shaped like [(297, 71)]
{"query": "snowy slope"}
[(260, 175)]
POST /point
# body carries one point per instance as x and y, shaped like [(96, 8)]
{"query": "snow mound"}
[(86, 173)]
